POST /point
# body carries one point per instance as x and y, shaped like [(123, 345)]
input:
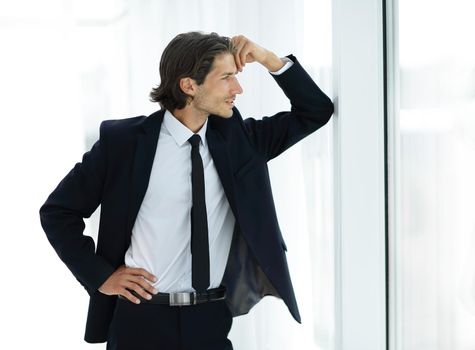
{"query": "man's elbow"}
[(326, 110), (330, 109)]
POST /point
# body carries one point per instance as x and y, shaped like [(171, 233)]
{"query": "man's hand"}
[(129, 278), (248, 51)]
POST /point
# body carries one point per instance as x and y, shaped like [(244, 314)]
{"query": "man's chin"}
[(223, 114)]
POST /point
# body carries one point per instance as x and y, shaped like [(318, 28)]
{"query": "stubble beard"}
[(217, 110)]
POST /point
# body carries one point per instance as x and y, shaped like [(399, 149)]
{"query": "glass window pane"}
[(435, 264)]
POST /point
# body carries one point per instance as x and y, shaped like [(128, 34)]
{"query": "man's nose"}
[(237, 89)]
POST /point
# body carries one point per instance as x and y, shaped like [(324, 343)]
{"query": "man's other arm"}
[(76, 197)]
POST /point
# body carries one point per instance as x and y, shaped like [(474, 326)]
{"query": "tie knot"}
[(194, 140)]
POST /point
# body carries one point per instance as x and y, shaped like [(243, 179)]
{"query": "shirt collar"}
[(180, 132)]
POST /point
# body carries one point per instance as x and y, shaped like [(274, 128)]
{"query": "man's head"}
[(198, 71)]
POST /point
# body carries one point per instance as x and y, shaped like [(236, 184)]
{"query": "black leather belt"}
[(183, 299)]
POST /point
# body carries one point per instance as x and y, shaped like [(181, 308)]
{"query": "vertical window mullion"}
[(359, 170)]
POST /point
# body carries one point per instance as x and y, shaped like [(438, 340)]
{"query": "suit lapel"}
[(218, 150), (145, 149)]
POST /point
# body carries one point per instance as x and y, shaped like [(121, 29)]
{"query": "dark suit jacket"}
[(115, 175)]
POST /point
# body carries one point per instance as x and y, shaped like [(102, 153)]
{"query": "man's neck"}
[(192, 119)]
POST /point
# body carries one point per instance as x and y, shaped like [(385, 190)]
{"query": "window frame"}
[(360, 205)]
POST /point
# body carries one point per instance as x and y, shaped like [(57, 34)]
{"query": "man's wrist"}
[(273, 63)]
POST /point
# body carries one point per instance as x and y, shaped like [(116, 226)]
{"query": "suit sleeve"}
[(76, 197), (310, 110)]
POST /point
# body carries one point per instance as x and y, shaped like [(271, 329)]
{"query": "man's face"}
[(218, 91)]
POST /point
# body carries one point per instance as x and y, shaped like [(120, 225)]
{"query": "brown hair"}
[(188, 55)]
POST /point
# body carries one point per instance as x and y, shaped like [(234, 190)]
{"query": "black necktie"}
[(199, 221)]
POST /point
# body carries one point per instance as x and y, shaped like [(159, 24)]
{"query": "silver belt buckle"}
[(182, 299)]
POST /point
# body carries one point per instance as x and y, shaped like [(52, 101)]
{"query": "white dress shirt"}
[(161, 234)]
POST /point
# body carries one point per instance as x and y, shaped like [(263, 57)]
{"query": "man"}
[(188, 234)]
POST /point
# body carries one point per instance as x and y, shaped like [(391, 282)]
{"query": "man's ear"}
[(188, 86)]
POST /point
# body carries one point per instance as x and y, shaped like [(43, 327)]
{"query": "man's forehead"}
[(224, 64)]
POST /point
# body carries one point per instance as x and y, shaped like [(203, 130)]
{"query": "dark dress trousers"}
[(115, 175)]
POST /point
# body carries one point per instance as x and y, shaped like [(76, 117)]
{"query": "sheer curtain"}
[(434, 262), (71, 64)]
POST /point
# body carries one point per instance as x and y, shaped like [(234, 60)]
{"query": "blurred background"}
[(66, 65)]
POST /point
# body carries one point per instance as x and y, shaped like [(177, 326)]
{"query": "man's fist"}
[(125, 278), (247, 51)]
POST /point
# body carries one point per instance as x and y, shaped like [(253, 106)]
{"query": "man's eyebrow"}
[(229, 73)]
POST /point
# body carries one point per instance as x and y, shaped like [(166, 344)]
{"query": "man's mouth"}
[(230, 102)]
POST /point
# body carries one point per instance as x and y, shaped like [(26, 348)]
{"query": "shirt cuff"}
[(287, 65)]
